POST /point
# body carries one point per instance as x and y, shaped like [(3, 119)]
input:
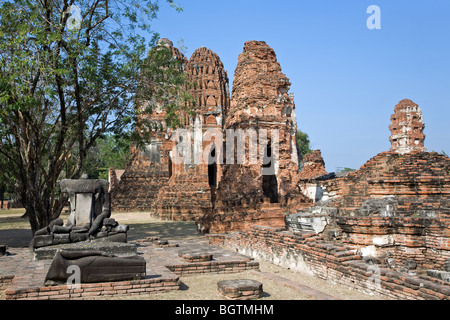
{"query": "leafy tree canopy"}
[(70, 72), (303, 143)]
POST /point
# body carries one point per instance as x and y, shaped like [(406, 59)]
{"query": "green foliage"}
[(303, 143), (159, 68), (109, 152), (64, 86)]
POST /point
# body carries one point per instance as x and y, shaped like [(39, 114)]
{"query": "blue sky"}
[(346, 78)]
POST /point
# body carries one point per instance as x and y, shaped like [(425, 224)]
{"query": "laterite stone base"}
[(194, 257), (240, 289)]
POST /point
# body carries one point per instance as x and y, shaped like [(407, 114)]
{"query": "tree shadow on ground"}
[(15, 231), (15, 238), (164, 229)]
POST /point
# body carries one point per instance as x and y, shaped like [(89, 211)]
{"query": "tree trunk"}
[(2, 197)]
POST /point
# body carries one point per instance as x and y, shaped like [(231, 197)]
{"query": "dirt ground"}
[(15, 232)]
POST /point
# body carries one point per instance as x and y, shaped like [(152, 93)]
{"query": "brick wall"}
[(396, 240), (5, 281), (419, 181), (213, 267), (89, 290), (336, 263), (140, 183)]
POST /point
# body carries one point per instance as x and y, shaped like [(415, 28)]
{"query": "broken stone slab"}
[(442, 275), (2, 250), (111, 248), (112, 237), (240, 289), (307, 222), (95, 267), (61, 238), (84, 185), (79, 236), (60, 229), (41, 241), (195, 256)]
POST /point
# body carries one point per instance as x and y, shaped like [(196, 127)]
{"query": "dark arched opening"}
[(269, 183), (170, 167), (212, 173)]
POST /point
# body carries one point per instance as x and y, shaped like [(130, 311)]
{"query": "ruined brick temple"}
[(383, 228), (220, 193)]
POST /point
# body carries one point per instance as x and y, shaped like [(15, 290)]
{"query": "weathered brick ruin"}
[(149, 169), (190, 192), (263, 113), (313, 168), (407, 128), (395, 208), (381, 229), (215, 190)]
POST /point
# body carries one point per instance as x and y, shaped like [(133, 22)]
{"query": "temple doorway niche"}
[(212, 173), (269, 183), (170, 167)]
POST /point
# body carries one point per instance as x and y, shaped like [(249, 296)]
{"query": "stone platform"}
[(23, 277), (113, 248)]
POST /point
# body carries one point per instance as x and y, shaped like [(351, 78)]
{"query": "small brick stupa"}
[(313, 166), (407, 128)]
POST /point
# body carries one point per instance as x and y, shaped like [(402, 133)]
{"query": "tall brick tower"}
[(260, 172), (190, 191), (149, 169), (261, 102)]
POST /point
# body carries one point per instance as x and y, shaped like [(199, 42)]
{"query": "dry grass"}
[(12, 219), (204, 287), (142, 226)]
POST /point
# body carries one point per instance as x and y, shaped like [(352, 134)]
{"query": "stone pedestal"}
[(109, 248), (240, 289), (89, 220), (195, 257), (87, 198)]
